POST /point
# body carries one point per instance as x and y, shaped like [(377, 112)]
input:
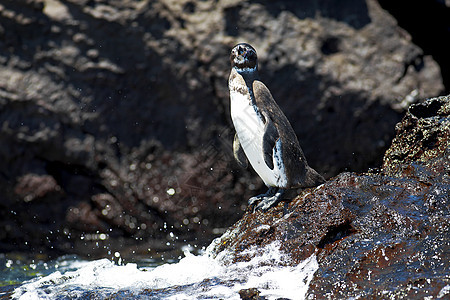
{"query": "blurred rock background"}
[(114, 115)]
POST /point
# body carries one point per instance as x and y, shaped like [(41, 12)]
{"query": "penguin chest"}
[(250, 131)]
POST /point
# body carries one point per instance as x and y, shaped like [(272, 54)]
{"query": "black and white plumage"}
[(264, 135)]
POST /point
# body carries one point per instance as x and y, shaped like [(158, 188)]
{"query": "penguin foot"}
[(270, 192), (267, 200)]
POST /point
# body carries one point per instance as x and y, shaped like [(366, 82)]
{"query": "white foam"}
[(194, 276), (444, 291)]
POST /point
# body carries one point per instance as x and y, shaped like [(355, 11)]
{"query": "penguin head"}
[(243, 57)]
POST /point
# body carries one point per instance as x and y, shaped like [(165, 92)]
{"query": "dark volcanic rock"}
[(375, 235), (434, 17), (250, 294), (427, 127), (120, 108)]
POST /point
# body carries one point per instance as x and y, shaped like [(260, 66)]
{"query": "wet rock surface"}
[(376, 235), (115, 126)]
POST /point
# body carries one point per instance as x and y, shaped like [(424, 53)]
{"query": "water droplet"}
[(171, 191)]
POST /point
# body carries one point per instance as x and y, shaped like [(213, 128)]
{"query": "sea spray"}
[(194, 277)]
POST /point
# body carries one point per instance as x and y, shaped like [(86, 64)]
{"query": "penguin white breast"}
[(250, 130)]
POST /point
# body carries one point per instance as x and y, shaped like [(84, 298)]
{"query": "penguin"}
[(264, 137)]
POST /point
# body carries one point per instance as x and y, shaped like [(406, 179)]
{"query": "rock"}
[(434, 17), (125, 105), (250, 294), (425, 127), (33, 186), (375, 235)]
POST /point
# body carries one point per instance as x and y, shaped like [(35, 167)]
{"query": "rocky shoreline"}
[(115, 115), (115, 136), (376, 235)]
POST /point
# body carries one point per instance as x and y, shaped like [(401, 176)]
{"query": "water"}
[(201, 276)]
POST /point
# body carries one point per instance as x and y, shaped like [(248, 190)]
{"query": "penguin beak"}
[(241, 56), (242, 52)]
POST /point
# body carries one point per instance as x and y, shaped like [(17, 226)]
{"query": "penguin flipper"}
[(270, 137), (238, 152)]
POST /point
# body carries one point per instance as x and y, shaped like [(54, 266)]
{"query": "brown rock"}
[(33, 186), (427, 127), (377, 235), (249, 294), (129, 99)]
